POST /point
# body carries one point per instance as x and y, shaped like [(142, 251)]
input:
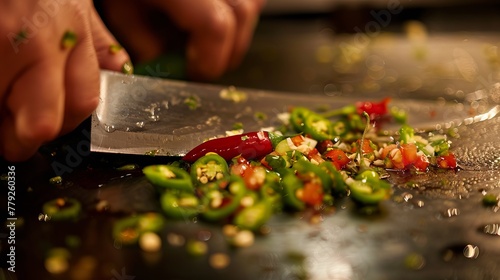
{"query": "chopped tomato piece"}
[(253, 176), (409, 153), (338, 158), (312, 194), (366, 147), (421, 163), (447, 161)]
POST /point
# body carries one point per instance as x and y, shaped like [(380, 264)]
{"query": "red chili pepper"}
[(252, 145), (374, 109)]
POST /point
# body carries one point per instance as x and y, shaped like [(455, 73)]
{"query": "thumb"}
[(110, 54)]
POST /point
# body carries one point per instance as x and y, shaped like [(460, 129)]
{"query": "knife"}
[(152, 116)]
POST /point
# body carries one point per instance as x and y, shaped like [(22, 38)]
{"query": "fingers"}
[(220, 32), (82, 78), (246, 13), (211, 26), (109, 54), (36, 104), (129, 22)]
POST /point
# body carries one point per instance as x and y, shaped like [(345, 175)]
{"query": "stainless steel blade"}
[(144, 115)]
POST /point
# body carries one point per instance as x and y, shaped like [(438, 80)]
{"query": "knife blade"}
[(146, 115)]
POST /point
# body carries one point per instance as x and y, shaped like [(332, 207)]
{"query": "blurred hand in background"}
[(216, 33)]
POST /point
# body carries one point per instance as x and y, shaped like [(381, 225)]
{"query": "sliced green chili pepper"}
[(271, 191), (114, 48), (399, 115), (68, 40), (318, 127), (368, 188), (291, 185), (440, 145), (62, 209), (128, 68), (338, 183), (208, 168), (406, 134), (169, 177), (278, 163), (346, 110), (221, 202), (298, 117), (311, 172), (253, 217), (128, 230), (180, 205)]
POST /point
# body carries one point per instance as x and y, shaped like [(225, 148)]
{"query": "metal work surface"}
[(435, 226)]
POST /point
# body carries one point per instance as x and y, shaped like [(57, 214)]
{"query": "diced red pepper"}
[(409, 153), (253, 176), (297, 140), (312, 194), (338, 158), (365, 147), (447, 161), (421, 163), (373, 109)]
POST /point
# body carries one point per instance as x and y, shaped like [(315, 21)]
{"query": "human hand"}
[(48, 85), (219, 32)]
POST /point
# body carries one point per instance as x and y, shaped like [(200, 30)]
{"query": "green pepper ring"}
[(148, 222), (316, 131), (55, 212), (290, 186), (203, 161), (376, 195), (238, 188), (253, 217), (157, 175), (298, 117), (303, 167), (338, 184), (169, 204)]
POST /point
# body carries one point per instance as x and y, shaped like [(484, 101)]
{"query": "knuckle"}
[(221, 23)]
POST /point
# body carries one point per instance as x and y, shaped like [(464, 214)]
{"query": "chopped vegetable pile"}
[(314, 158), (241, 180)]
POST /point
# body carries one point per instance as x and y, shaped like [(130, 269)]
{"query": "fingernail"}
[(115, 48), (128, 68), (68, 40)]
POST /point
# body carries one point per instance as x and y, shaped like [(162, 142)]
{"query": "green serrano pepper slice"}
[(169, 177), (179, 205), (62, 209), (321, 128), (338, 184), (222, 201), (253, 217), (270, 192), (298, 117), (209, 168), (310, 171), (368, 188), (128, 230), (291, 185)]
